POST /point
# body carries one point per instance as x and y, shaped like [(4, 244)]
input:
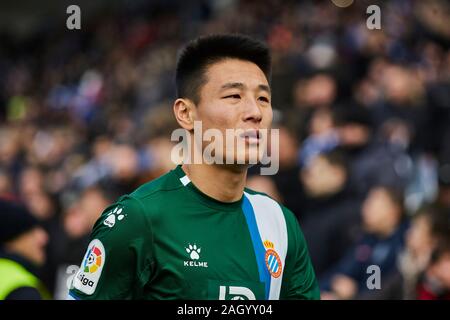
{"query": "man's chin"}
[(235, 167)]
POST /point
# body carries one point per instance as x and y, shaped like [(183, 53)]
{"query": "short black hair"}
[(200, 53), (395, 194), (336, 157)]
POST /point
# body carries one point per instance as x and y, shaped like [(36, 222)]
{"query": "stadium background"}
[(85, 116)]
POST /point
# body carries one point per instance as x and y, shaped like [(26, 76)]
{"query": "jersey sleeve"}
[(119, 258), (299, 279)]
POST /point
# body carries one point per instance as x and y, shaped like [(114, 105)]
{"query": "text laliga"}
[(85, 281)]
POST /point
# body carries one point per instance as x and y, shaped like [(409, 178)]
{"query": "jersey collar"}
[(204, 198)]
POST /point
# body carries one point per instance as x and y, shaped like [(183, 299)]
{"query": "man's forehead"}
[(236, 73)]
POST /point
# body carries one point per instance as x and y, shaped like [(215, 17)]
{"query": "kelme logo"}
[(114, 215), (194, 255)]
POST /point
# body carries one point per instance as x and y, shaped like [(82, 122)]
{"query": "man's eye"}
[(233, 96), (263, 99)]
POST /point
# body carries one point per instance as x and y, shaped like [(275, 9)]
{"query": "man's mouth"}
[(251, 136)]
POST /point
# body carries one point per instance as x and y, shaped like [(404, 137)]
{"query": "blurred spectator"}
[(380, 243), (22, 252), (428, 232), (322, 138), (264, 184), (316, 92), (5, 185), (435, 283), (429, 228), (330, 212), (69, 236), (286, 181), (443, 197)]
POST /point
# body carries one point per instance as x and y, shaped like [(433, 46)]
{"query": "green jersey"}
[(168, 240)]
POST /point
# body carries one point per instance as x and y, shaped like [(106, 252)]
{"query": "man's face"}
[(440, 270), (31, 245), (236, 95), (321, 178), (380, 214), (419, 238)]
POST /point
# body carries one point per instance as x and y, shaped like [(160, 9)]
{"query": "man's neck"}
[(220, 182)]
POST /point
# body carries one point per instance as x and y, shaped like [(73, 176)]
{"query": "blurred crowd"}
[(364, 119)]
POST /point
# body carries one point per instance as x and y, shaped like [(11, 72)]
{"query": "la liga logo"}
[(91, 268), (93, 260)]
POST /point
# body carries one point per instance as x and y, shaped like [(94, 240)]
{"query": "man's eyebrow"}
[(240, 85), (233, 85), (264, 87)]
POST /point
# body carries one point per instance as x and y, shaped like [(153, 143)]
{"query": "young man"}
[(196, 232)]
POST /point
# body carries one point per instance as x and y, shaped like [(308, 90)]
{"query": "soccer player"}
[(197, 232)]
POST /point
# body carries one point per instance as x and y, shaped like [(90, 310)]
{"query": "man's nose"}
[(253, 111)]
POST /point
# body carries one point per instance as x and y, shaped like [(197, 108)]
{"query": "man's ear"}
[(185, 113)]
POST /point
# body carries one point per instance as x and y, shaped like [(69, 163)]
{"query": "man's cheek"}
[(269, 116)]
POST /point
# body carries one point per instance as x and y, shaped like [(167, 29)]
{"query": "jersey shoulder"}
[(160, 196), (138, 207), (166, 182)]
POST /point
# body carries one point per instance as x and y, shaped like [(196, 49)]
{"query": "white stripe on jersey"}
[(272, 226)]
